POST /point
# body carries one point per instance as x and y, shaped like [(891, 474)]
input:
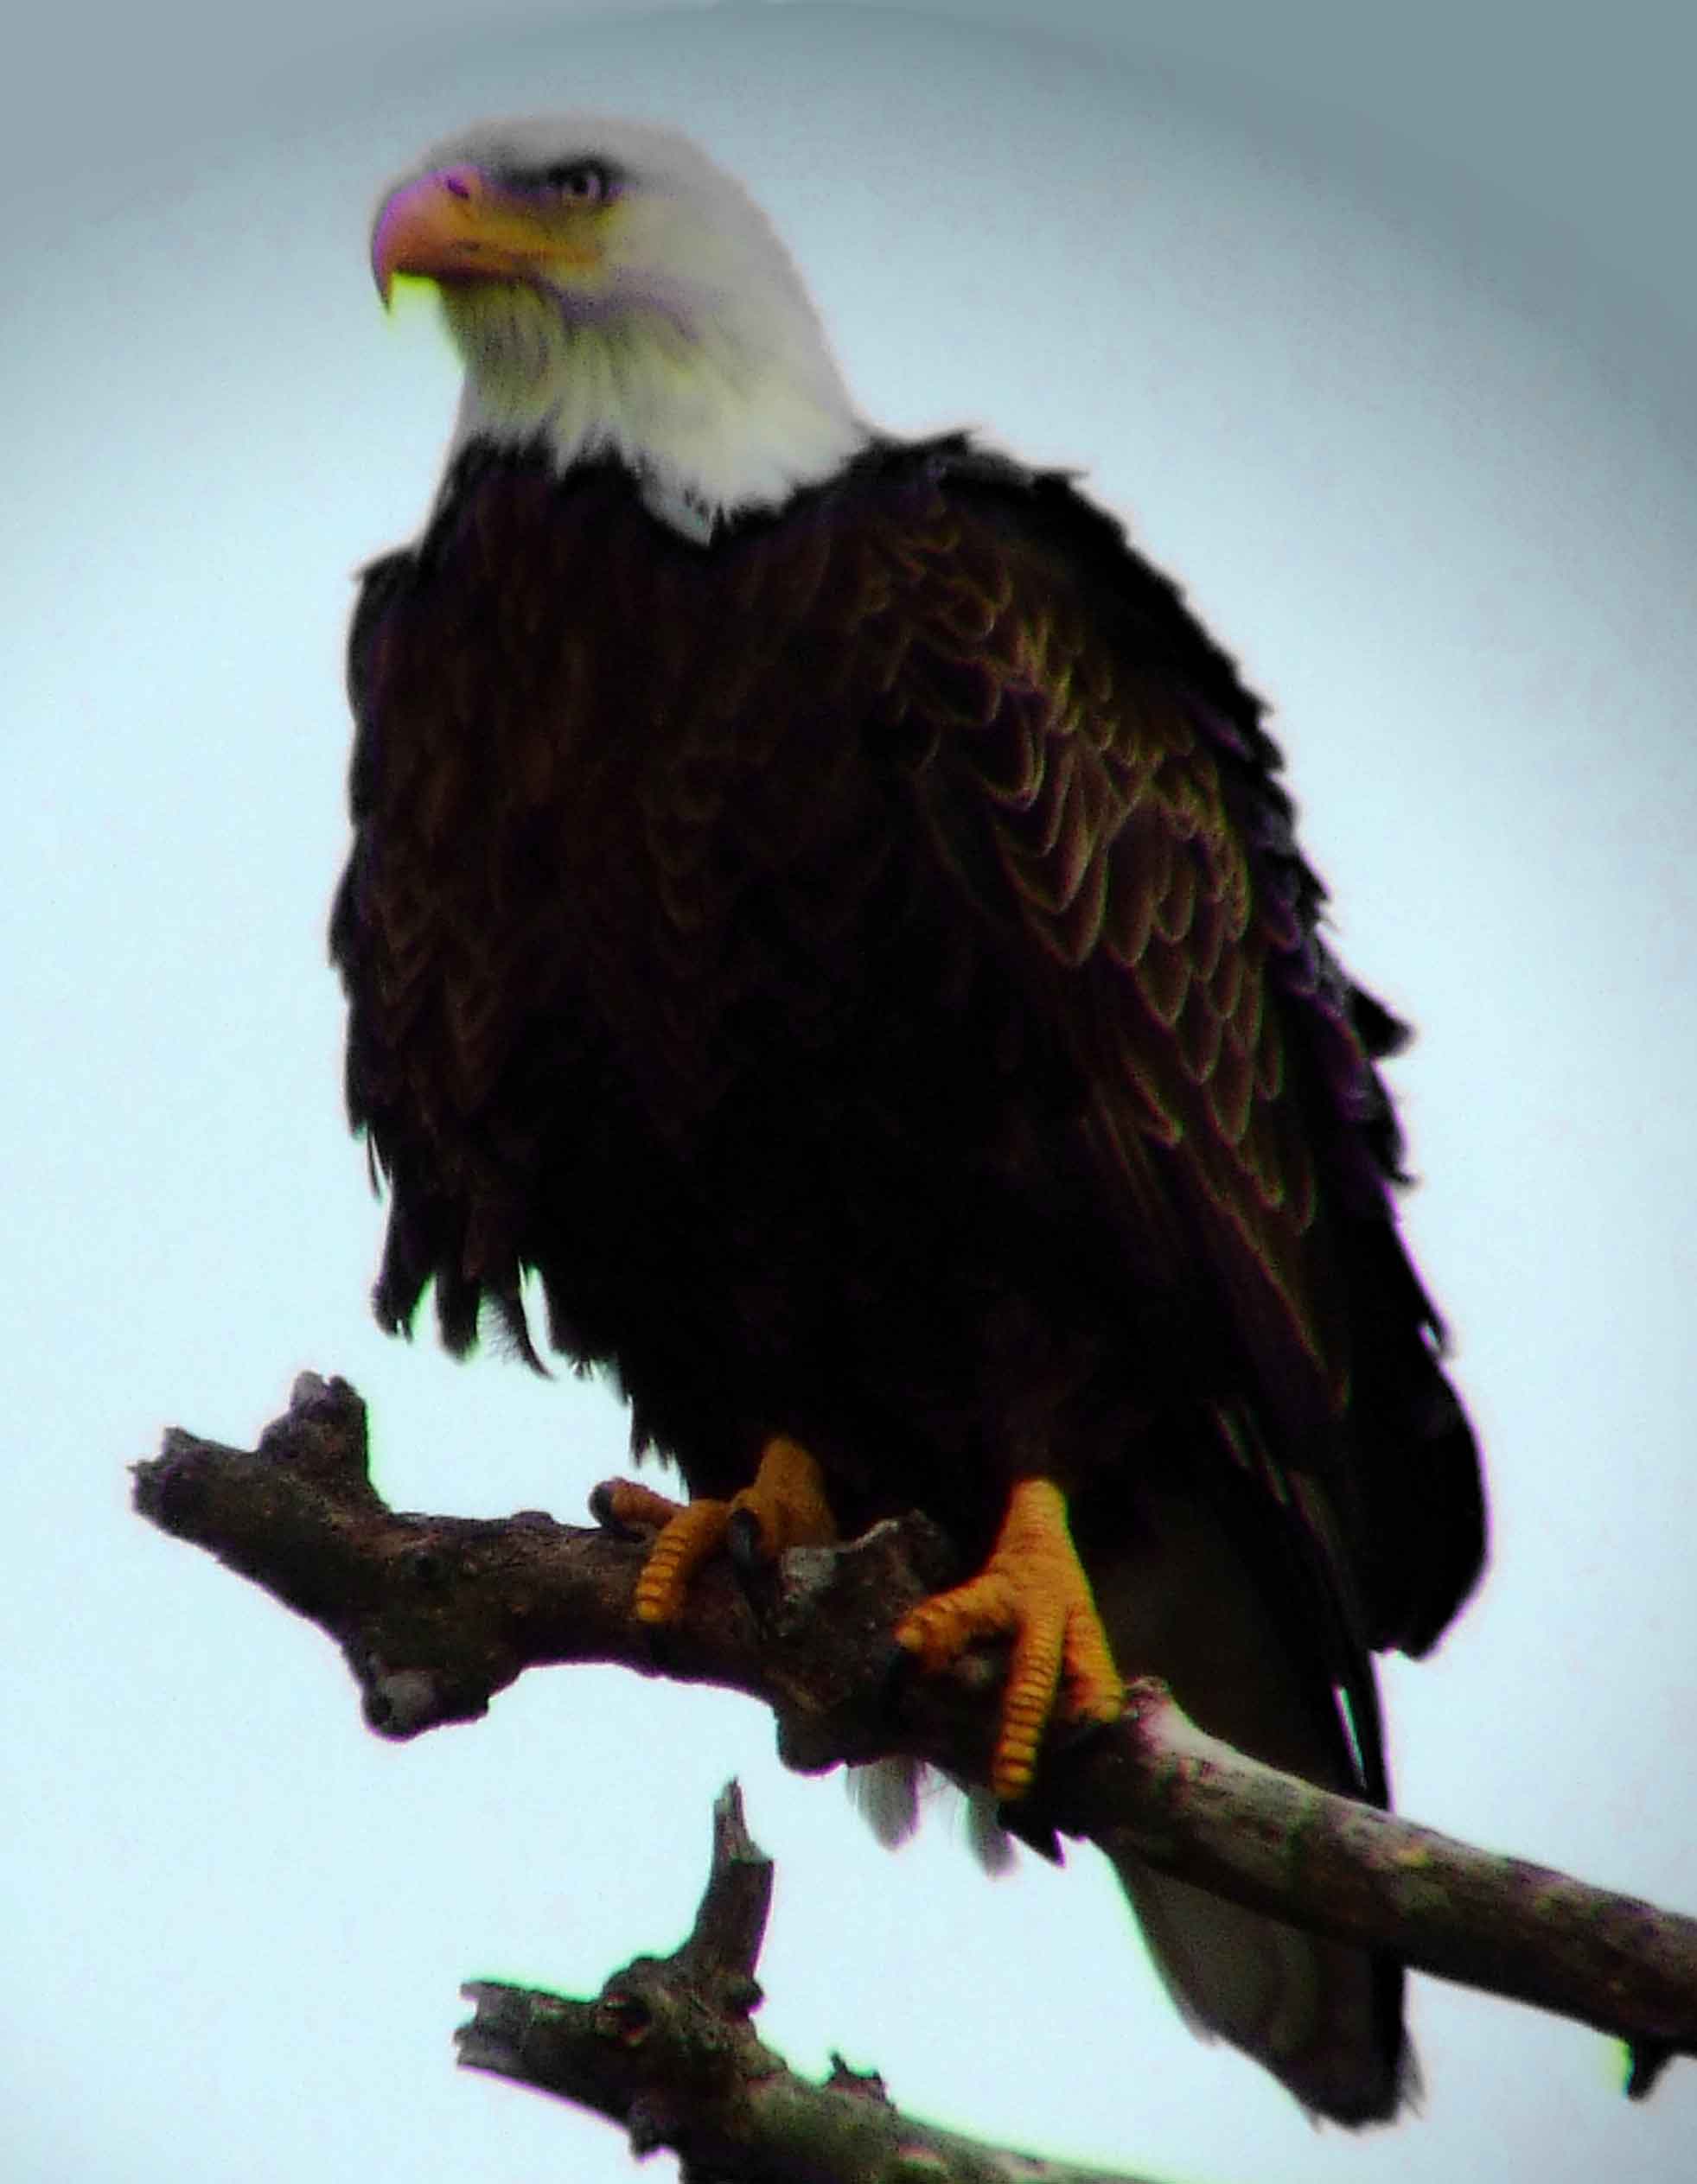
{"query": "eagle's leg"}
[(1034, 1587), (786, 1499)]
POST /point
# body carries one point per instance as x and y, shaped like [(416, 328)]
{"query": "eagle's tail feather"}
[(1323, 2018), (1326, 2018)]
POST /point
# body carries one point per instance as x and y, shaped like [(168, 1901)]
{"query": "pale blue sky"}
[(1382, 339)]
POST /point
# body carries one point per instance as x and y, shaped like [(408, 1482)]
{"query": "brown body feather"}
[(862, 966)]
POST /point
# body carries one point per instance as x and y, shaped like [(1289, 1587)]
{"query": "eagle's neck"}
[(712, 424)]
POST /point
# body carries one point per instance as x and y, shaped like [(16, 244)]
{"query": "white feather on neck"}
[(711, 427)]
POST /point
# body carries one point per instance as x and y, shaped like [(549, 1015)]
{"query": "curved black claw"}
[(754, 1567), (602, 1509), (1649, 2057), (1018, 1820), (743, 1544), (898, 1667), (1069, 1737)]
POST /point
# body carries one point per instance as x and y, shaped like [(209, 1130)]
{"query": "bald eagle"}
[(823, 910)]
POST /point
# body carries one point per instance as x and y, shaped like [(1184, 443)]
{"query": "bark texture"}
[(436, 1615)]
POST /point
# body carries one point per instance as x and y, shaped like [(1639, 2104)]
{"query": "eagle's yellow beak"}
[(457, 224)]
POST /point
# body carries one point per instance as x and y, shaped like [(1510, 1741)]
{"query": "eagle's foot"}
[(784, 1507), (1033, 1587)]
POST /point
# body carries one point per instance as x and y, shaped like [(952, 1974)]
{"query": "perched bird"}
[(821, 905)]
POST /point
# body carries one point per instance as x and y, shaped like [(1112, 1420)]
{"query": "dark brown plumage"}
[(864, 966)]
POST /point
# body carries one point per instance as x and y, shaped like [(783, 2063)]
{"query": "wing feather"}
[(1091, 773)]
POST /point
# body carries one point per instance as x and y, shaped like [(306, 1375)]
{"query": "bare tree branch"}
[(436, 1615), (667, 2050)]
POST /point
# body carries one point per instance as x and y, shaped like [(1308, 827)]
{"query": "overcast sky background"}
[(1381, 334)]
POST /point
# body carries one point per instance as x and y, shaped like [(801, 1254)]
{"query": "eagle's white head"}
[(612, 291)]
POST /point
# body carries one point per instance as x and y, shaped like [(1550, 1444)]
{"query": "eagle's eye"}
[(578, 182)]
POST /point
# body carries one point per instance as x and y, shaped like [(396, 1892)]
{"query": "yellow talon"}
[(1034, 1587), (786, 1499), (686, 1542)]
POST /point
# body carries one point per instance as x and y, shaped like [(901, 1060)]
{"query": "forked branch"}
[(668, 2049)]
